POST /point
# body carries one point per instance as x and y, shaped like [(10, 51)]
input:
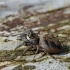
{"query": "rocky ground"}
[(56, 22)]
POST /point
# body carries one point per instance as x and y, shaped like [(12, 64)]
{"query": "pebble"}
[(68, 43), (50, 25), (64, 27), (52, 30), (62, 35), (5, 63)]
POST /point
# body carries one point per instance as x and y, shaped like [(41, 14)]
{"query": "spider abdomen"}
[(50, 45)]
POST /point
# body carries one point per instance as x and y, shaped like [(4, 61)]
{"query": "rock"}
[(67, 11), (11, 45), (37, 18), (68, 43), (29, 58), (64, 27), (52, 30), (29, 67), (5, 63), (62, 35), (10, 67), (19, 67), (49, 64), (50, 25)]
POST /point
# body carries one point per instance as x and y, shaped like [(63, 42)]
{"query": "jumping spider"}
[(47, 43)]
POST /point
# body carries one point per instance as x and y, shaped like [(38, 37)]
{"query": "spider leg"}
[(50, 55), (37, 49), (18, 47), (28, 47)]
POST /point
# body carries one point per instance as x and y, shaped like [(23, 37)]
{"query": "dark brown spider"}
[(47, 43)]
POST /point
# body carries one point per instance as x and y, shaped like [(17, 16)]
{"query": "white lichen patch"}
[(30, 57), (49, 64), (10, 67), (62, 35), (9, 43), (50, 25), (67, 11), (64, 27), (5, 63), (37, 28), (68, 43)]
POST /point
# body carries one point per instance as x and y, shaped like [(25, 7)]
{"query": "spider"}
[(47, 43)]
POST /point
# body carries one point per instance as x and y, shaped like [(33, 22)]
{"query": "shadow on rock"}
[(65, 49)]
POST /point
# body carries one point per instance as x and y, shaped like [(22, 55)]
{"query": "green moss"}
[(67, 60), (50, 62), (64, 49), (18, 68), (68, 67), (29, 67)]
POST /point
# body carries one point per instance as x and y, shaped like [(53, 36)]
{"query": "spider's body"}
[(48, 44)]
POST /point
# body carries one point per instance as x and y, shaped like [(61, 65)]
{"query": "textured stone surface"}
[(35, 16), (39, 62)]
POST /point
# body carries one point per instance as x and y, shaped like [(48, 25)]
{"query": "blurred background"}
[(8, 7), (59, 9), (52, 10)]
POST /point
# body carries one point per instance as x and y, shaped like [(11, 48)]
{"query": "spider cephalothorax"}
[(30, 36), (30, 39)]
